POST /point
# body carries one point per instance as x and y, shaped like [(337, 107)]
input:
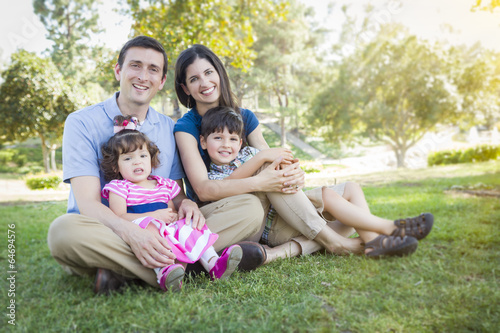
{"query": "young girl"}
[(221, 137), (146, 200)]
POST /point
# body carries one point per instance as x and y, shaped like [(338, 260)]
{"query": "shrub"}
[(43, 182), (20, 160), (6, 156), (475, 154)]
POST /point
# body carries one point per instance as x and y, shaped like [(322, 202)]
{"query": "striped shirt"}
[(164, 191)]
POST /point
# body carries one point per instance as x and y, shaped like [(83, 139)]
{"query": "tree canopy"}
[(395, 89), (35, 101)]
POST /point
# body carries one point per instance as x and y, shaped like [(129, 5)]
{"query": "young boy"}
[(221, 136)]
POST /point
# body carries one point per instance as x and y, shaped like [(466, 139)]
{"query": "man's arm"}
[(151, 250)]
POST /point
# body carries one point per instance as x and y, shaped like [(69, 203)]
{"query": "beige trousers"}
[(301, 214), (81, 244)]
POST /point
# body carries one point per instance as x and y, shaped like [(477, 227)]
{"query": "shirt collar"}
[(112, 110)]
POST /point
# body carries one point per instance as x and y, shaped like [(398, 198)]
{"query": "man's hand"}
[(190, 211), (149, 247)]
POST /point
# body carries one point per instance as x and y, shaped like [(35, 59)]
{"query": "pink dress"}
[(188, 244)]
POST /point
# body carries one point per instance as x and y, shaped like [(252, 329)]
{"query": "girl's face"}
[(202, 82), (135, 166), (222, 147)]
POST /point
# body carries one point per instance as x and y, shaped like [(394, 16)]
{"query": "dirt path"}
[(15, 191)]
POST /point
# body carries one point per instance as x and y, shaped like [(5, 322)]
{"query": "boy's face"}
[(222, 147)]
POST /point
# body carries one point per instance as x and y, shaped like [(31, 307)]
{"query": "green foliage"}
[(35, 101), (475, 154), (69, 25), (488, 5), (395, 88), (449, 285), (43, 182), (6, 156)]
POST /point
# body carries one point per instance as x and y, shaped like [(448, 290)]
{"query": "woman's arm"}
[(269, 180), (295, 175), (250, 167)]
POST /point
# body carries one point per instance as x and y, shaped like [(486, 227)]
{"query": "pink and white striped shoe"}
[(170, 278), (227, 263)]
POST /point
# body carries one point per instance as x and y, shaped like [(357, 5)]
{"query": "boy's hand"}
[(271, 154)]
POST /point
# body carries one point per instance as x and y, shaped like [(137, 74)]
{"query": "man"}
[(91, 239)]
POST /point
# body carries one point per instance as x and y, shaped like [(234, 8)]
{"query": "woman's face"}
[(203, 83)]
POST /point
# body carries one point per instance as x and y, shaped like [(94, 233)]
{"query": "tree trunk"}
[(400, 157), (53, 164), (283, 129), (45, 154), (177, 109)]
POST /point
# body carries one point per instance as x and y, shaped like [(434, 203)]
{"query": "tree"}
[(223, 26), (69, 24), (395, 89), (35, 101), (286, 57), (480, 5)]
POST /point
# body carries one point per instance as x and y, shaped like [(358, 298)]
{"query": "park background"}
[(401, 96)]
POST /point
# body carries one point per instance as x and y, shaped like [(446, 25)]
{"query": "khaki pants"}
[(81, 244), (300, 214)]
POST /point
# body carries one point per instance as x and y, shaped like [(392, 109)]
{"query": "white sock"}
[(209, 258)]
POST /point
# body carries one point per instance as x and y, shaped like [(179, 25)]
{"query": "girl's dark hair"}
[(125, 141), (186, 58), (146, 43), (220, 117)]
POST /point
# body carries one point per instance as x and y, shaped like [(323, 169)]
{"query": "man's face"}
[(140, 76)]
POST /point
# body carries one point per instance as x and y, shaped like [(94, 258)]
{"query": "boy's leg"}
[(234, 219), (81, 245), (299, 214)]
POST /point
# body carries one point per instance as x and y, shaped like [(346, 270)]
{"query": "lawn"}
[(451, 284)]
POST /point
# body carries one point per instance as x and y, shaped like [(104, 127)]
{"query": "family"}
[(152, 199)]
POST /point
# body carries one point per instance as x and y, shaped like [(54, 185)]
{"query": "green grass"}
[(451, 284)]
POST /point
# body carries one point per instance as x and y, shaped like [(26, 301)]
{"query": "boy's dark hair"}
[(123, 142), (146, 43), (220, 117)]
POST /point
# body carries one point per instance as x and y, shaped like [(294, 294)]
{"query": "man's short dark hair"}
[(146, 43)]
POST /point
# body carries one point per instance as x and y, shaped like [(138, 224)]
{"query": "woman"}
[(201, 83)]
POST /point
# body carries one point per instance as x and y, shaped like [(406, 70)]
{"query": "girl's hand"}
[(167, 215)]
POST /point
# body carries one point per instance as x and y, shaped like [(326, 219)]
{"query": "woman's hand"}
[(287, 180), (295, 177)]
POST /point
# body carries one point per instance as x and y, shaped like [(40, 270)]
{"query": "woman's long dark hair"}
[(186, 58)]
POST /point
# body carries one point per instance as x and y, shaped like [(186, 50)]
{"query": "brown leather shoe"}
[(254, 255), (107, 281)]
